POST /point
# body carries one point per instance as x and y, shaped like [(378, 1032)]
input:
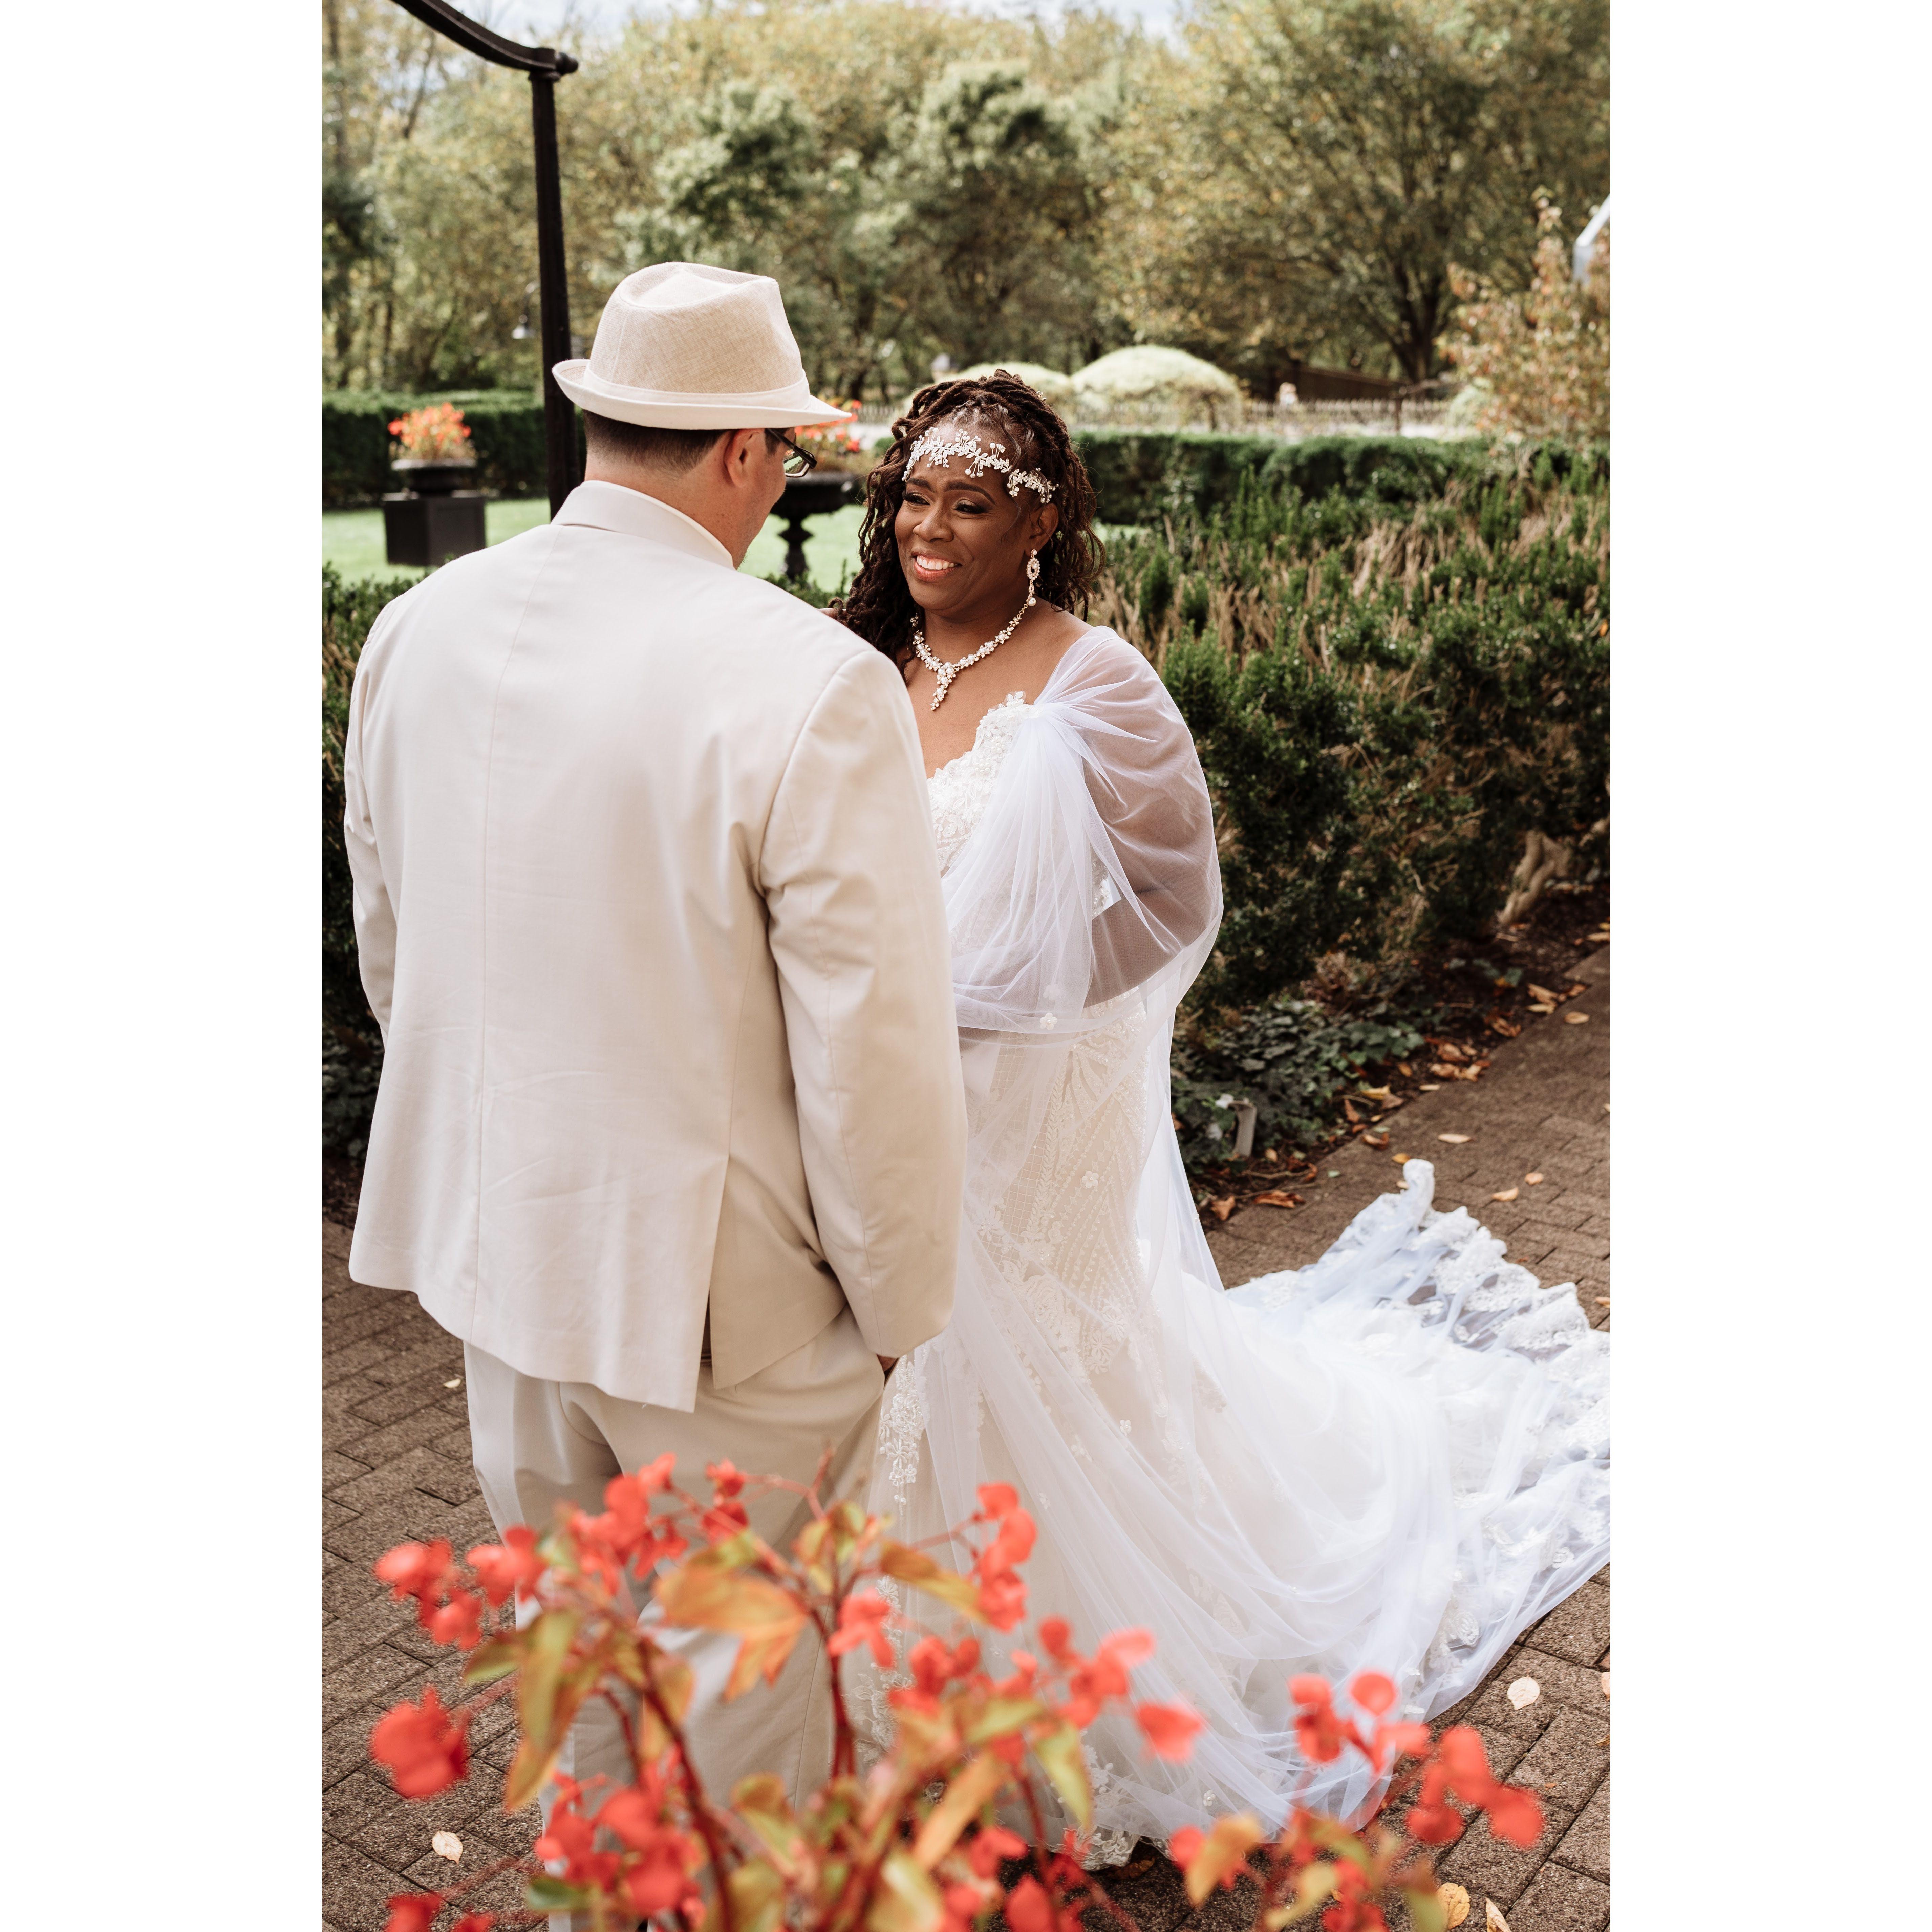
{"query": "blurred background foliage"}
[(1276, 179)]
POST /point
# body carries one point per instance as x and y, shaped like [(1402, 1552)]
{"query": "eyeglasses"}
[(800, 462)]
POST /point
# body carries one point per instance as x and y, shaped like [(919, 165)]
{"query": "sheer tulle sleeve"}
[(1093, 874)]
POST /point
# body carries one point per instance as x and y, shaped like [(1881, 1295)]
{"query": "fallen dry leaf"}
[(1606, 1684), (457, 1384), (1401, 1159), (1454, 1902), (1579, 987), (1428, 1088), (1402, 1066), (1602, 1301), (1449, 1050), (1537, 992), (447, 1845), (1348, 1108), (1575, 1019), (1541, 1006), (1454, 1140), (1275, 1197), (1269, 1153), (1493, 1920), (1506, 1028), (1373, 1093), (1524, 1692), (1222, 1207), (1507, 1194), (1375, 1140), (1532, 1180)]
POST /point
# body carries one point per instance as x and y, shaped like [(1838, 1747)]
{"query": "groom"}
[(671, 1127)]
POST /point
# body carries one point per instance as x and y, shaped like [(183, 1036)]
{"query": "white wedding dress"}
[(1394, 1459)]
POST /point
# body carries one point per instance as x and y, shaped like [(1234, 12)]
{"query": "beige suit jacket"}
[(648, 912)]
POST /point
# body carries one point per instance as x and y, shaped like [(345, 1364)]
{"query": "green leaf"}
[(1000, 1717), (546, 1649), (496, 1658), (1426, 1911), (907, 1899), (545, 1894), (1063, 1758)]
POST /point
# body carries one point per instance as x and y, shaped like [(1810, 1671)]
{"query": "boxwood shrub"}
[(1387, 697)]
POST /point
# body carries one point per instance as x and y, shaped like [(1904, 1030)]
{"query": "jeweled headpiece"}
[(942, 446)]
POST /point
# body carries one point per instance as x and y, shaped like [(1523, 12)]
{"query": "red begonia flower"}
[(511, 1566), (726, 1479), (1515, 1815), (863, 1619), (415, 1570), (460, 1621), (1169, 1729), (1310, 1691), (1460, 1750), (1373, 1691), (1055, 1633), (1028, 1909), (997, 1499), (426, 1752), (1003, 1601), (413, 1911), (990, 1845)]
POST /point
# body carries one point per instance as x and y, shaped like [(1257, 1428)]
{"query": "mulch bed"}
[(1466, 981)]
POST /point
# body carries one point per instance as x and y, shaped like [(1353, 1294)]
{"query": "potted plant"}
[(432, 454), (433, 518)]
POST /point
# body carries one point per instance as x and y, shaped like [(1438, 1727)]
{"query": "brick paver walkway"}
[(397, 1466)]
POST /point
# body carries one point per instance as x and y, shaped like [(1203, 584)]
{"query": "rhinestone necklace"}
[(946, 673)]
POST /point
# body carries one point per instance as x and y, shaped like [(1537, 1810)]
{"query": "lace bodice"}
[(959, 789)]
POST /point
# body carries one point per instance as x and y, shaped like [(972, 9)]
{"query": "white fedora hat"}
[(683, 345)]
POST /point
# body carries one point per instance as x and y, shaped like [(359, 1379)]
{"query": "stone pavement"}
[(396, 1466)]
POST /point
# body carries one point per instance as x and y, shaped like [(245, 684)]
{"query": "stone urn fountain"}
[(817, 495)]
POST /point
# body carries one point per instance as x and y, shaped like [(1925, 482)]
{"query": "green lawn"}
[(351, 540)]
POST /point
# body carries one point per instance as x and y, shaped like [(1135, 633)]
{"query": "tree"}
[(1542, 359), (1000, 212), (1318, 164)]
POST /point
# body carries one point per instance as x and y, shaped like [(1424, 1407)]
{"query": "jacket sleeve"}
[(375, 917), (858, 931)]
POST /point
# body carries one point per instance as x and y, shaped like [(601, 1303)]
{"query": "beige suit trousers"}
[(536, 1442)]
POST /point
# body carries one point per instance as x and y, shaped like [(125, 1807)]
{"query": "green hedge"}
[(506, 431), (1142, 476), (1387, 698)]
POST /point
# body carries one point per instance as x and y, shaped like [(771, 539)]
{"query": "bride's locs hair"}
[(879, 607)]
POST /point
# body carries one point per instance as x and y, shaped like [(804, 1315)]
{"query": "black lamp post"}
[(545, 67)]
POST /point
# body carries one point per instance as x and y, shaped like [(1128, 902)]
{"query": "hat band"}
[(754, 398)]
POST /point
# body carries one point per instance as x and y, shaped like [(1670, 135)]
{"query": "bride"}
[(1393, 1459)]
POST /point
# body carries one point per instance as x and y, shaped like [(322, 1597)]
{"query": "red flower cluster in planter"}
[(915, 1845), (435, 433)]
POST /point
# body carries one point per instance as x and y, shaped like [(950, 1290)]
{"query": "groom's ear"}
[(738, 454)]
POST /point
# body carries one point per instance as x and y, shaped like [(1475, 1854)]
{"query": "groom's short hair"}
[(644, 444)]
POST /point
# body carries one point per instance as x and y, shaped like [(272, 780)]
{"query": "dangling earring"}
[(1033, 576)]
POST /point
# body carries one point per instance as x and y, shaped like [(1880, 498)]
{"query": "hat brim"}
[(651, 408)]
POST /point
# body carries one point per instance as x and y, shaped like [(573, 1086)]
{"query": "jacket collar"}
[(614, 506)]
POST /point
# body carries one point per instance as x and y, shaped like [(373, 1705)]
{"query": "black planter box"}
[(426, 531)]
